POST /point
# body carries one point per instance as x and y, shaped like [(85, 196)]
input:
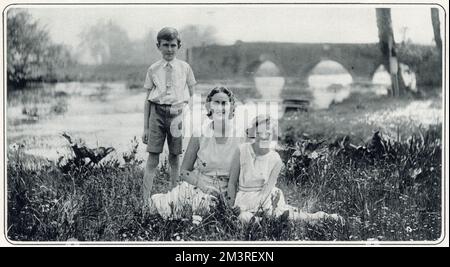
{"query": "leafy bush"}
[(32, 56), (387, 190)]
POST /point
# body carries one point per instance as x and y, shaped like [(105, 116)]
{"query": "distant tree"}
[(388, 49), (404, 31), (145, 51), (436, 28), (60, 57), (437, 38), (31, 56), (107, 43), (150, 38), (196, 35)]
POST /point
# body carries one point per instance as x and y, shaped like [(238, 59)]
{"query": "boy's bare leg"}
[(174, 162), (149, 175)]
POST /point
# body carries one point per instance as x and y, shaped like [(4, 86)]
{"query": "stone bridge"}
[(292, 59)]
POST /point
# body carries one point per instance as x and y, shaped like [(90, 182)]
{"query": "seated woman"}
[(254, 173), (206, 163)]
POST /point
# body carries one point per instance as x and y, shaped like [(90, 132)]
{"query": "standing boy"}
[(170, 84)]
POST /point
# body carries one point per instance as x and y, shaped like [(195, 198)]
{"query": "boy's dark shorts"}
[(165, 121)]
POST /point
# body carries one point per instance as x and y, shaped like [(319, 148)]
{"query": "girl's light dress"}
[(211, 167), (254, 174)]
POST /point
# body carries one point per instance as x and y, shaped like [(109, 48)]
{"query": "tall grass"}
[(389, 193), (385, 189)]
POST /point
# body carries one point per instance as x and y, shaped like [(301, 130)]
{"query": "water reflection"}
[(381, 81), (102, 115), (329, 82), (269, 87), (268, 81)]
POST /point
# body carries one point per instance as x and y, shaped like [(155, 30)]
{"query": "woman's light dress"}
[(212, 169)]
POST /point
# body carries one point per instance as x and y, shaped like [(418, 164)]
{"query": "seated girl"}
[(206, 163), (254, 173)]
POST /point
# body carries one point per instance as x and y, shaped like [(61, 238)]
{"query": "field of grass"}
[(387, 186)]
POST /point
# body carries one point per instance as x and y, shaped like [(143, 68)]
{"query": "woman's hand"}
[(234, 178), (270, 184)]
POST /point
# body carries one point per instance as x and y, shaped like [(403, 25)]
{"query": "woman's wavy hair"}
[(217, 90)]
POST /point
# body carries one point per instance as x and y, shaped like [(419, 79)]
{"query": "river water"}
[(100, 114), (112, 115)]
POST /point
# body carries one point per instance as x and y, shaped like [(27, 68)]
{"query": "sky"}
[(275, 23)]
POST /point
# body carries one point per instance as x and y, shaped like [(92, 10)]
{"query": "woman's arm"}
[(272, 181), (235, 170), (187, 167), (188, 162)]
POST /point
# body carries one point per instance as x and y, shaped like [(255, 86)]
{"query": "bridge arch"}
[(294, 59), (253, 66), (326, 67), (306, 70)]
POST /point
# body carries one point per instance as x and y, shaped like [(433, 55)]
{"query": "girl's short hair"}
[(217, 90), (168, 34), (260, 119)]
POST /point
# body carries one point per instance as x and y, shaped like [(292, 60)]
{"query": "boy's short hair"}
[(168, 34)]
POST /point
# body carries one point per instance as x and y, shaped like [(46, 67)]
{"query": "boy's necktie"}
[(169, 70), (167, 93), (168, 76)]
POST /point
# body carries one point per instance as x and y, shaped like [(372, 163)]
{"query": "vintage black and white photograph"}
[(241, 123)]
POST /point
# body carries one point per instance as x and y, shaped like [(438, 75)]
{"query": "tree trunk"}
[(387, 46), (436, 28), (437, 38)]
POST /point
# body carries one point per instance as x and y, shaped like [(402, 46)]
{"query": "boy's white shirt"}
[(182, 78)]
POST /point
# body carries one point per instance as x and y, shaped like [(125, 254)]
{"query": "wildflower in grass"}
[(197, 219), (14, 147)]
